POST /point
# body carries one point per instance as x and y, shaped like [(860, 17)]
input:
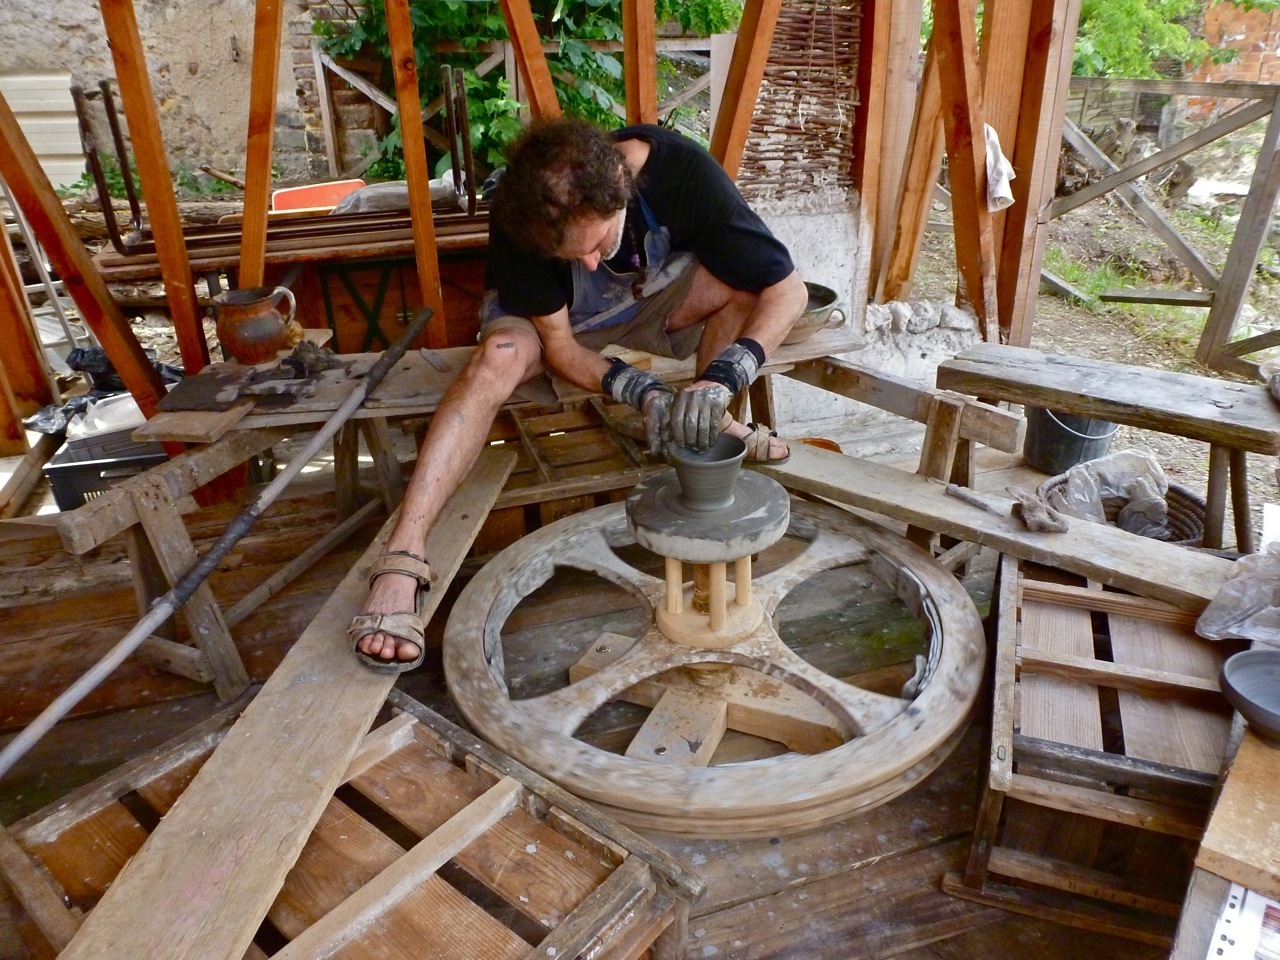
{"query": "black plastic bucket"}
[(1056, 442)]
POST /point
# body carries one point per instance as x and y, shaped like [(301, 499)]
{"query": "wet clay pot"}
[(250, 328), (707, 477)]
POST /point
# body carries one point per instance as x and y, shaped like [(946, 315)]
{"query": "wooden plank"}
[(1242, 841), (327, 127), (53, 228), (1144, 209), (268, 27), (304, 726), (1144, 814), (417, 171), (979, 422), (591, 921), (1113, 768), (22, 360), (962, 118), (29, 473), (868, 138), (640, 60), (1224, 90), (1004, 707), (683, 729), (1200, 910), (88, 855), (384, 892), (1162, 158), (1050, 44), (1103, 673), (1189, 735), (544, 883), (1054, 708), (530, 60), (1177, 298), (1105, 601), (36, 893), (1238, 415), (1252, 231), (742, 83), (1061, 875), (103, 517), (140, 111), (194, 426), (1184, 578), (176, 555)]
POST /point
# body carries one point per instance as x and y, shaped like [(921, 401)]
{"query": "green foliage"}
[(588, 82), (1133, 38), (185, 182)]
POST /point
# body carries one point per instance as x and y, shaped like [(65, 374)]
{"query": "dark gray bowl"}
[(1251, 682)]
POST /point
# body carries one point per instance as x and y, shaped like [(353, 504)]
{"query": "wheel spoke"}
[(591, 550), (863, 710), (825, 551)]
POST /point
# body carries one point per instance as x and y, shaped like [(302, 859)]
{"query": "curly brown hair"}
[(559, 171)]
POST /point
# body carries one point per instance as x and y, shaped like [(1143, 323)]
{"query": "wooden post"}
[(268, 25), (902, 82), (157, 185), (531, 61), (23, 366), (54, 230), (746, 71), (954, 32), (1050, 44), (868, 133), (640, 60), (326, 111), (405, 67), (1246, 246), (1005, 33)]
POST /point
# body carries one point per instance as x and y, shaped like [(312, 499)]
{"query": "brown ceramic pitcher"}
[(250, 328)]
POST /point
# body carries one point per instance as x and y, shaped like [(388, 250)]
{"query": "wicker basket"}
[(1186, 511)]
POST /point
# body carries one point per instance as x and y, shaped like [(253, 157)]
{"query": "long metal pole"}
[(182, 591)]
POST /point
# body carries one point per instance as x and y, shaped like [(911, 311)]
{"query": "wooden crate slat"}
[(88, 855), (1065, 711), (422, 790), (1188, 735)]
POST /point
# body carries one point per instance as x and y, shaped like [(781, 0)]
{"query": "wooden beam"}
[(326, 110), (157, 184), (530, 60), (868, 132), (1251, 234), (417, 171), (53, 228), (1144, 209), (640, 60), (1006, 27), (903, 81), (746, 71), (1176, 298), (924, 164), (1050, 42), (20, 350), (268, 27), (304, 726), (1178, 88), (954, 33)]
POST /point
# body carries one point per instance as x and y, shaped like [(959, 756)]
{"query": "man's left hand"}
[(697, 413)]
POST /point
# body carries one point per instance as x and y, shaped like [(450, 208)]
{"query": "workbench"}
[(1235, 419)]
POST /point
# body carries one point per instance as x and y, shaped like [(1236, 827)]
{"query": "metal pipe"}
[(186, 586)]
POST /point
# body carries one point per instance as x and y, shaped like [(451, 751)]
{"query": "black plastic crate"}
[(82, 469)]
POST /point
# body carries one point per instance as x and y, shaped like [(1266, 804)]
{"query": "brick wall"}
[(1253, 34)]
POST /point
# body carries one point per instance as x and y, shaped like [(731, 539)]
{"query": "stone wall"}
[(199, 60)]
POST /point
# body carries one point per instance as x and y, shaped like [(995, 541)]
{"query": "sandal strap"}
[(402, 626), (401, 561)]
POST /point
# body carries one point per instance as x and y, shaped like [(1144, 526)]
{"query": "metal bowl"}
[(1251, 682)]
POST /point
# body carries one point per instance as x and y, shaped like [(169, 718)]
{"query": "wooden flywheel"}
[(850, 748)]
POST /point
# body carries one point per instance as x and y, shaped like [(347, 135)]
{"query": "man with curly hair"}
[(638, 239)]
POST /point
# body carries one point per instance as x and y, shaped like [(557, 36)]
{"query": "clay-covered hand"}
[(697, 413), (656, 408)]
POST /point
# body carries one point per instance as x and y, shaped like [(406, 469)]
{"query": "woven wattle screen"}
[(801, 138)]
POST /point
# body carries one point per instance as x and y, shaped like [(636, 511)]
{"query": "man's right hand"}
[(656, 408), (698, 413)]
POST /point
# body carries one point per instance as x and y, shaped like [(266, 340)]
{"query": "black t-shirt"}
[(687, 192)]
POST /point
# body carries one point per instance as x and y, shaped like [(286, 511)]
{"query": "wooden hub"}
[(850, 748)]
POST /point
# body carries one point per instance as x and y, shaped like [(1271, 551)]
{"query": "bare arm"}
[(564, 356), (776, 311)]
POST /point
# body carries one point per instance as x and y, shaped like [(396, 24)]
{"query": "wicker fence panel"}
[(801, 138)]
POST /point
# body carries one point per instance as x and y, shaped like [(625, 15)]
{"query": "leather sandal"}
[(757, 442), (403, 626)]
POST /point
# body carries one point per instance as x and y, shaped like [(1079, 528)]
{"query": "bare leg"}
[(453, 443)]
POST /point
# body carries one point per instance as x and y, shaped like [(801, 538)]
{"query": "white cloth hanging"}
[(999, 172)]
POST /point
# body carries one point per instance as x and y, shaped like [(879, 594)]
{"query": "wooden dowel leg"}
[(742, 581), (675, 586), (718, 606), (1216, 497), (701, 587), (1240, 501)]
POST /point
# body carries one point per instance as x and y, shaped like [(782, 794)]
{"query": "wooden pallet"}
[(1108, 732), (434, 847)]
